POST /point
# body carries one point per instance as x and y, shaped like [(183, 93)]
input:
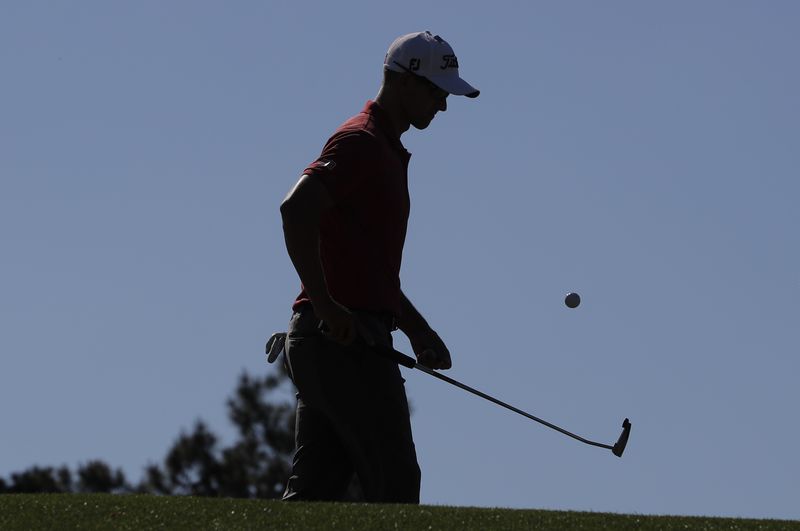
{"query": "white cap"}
[(429, 56)]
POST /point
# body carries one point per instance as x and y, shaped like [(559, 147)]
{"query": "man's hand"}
[(340, 325), (431, 350)]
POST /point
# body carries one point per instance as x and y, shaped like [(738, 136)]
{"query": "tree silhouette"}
[(39, 479), (97, 476), (191, 465), (256, 465)]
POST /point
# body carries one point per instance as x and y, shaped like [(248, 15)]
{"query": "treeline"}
[(256, 465)]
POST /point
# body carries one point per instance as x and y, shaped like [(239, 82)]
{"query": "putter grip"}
[(397, 356)]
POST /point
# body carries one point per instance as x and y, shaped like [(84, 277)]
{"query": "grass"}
[(99, 511)]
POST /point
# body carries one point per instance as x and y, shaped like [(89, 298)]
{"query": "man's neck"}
[(392, 107)]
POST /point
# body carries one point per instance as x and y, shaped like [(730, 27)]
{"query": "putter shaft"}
[(508, 406), (411, 363)]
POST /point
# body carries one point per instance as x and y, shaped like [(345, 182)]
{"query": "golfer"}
[(345, 224)]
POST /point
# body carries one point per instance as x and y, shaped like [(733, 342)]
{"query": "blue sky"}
[(642, 154)]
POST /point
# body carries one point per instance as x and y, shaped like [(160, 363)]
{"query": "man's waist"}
[(385, 318)]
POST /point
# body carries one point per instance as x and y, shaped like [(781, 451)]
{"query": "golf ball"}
[(572, 300)]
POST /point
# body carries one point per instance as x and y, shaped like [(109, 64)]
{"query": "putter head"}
[(619, 447), (275, 346)]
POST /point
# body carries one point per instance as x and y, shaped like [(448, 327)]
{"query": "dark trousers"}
[(352, 418)]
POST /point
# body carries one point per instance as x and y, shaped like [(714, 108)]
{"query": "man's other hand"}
[(431, 351)]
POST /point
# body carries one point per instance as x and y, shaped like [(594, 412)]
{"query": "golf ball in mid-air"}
[(572, 300)]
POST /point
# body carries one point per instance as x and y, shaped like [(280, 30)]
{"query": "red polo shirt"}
[(364, 167)]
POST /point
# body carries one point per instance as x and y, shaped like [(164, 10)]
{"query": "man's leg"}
[(393, 467), (321, 466), (321, 469), (353, 405)]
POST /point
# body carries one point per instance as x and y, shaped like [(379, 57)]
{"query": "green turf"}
[(71, 511)]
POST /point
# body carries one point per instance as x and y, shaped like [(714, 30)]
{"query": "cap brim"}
[(455, 85)]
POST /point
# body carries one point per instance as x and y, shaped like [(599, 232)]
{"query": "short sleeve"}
[(345, 162)]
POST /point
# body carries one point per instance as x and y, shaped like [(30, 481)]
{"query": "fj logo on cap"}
[(414, 64)]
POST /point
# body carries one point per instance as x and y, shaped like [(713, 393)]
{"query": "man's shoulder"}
[(357, 130), (361, 123), (352, 141)]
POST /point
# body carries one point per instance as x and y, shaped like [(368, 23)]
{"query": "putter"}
[(276, 343), (407, 361)]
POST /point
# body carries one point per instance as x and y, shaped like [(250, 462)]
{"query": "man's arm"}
[(301, 212), (427, 345)]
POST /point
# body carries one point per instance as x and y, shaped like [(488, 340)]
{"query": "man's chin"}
[(422, 124)]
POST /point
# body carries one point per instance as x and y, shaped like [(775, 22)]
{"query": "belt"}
[(387, 319)]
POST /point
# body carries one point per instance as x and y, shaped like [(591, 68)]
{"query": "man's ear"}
[(408, 79)]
